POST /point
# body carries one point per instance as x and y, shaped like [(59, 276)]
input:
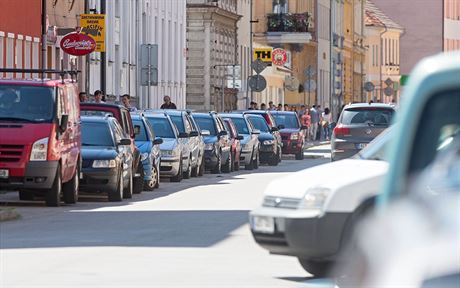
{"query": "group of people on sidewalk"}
[(318, 122)]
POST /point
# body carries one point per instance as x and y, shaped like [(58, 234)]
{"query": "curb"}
[(7, 214), (311, 156)]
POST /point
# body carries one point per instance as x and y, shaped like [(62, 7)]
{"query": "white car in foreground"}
[(310, 213)]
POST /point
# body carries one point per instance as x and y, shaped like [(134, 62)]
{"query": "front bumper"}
[(37, 175), (267, 152), (301, 233), (169, 167), (210, 159), (99, 179), (292, 146), (245, 157)]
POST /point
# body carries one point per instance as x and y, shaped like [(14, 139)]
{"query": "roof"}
[(375, 17)]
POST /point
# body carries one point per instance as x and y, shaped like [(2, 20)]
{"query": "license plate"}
[(361, 145), (4, 173), (263, 224)]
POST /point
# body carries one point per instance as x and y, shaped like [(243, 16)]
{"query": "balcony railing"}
[(289, 22)]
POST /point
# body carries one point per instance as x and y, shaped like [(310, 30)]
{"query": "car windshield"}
[(142, 135), (206, 123), (178, 121), (376, 150), (96, 134), (287, 120), (369, 116), (95, 113), (241, 125), (259, 123), (162, 127), (27, 103)]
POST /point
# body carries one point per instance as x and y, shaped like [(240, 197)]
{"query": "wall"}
[(451, 25), (244, 56)]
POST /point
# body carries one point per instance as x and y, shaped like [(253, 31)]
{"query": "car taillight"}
[(340, 130)]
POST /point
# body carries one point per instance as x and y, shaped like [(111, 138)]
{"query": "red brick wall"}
[(21, 17)]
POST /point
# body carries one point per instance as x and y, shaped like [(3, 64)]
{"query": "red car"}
[(235, 144), (123, 116), (292, 133), (40, 145)]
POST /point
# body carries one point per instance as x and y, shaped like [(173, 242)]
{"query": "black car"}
[(217, 154), (107, 158), (270, 146)]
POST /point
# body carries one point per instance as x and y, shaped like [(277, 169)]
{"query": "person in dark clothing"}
[(167, 103)]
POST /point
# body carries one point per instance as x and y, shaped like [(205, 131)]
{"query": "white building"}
[(324, 52), (244, 54), (129, 24)]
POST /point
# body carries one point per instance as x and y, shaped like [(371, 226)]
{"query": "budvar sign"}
[(78, 44)]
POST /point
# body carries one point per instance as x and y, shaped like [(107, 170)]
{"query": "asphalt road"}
[(189, 234)]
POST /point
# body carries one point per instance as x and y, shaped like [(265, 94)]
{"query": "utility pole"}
[(250, 56), (87, 58), (44, 32), (103, 58)]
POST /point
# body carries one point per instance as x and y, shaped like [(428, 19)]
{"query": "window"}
[(241, 125), (206, 123), (374, 116), (280, 6), (178, 121), (142, 135), (162, 127)]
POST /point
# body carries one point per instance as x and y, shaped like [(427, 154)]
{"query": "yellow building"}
[(382, 55)]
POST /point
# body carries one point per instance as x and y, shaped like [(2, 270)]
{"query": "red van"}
[(40, 137)]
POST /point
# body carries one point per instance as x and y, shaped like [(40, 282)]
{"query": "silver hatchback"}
[(358, 125)]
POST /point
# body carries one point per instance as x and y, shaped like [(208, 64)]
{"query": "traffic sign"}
[(309, 72), (149, 64), (291, 83), (388, 91), (257, 83), (389, 82), (369, 86), (234, 84), (233, 71), (264, 54), (310, 85), (279, 57), (258, 66)]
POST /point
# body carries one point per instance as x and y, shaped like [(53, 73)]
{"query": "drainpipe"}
[(103, 58), (44, 60), (381, 61)]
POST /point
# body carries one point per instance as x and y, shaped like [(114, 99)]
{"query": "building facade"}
[(337, 65), (243, 51), (451, 25), (211, 46), (382, 44)]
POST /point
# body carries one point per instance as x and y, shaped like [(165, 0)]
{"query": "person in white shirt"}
[(326, 120)]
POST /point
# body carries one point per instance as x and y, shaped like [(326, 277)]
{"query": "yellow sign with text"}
[(264, 54), (93, 25)]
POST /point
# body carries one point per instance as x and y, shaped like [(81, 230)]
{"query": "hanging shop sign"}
[(77, 44)]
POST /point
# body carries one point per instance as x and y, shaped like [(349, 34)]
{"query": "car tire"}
[(274, 160), (202, 168), (299, 156), (117, 194), (157, 185), (232, 168), (188, 172), (178, 177), (256, 161), (70, 189), (138, 182), (26, 195), (53, 195), (227, 168), (218, 168), (128, 191), (152, 184), (280, 155), (196, 168), (250, 166), (316, 268)]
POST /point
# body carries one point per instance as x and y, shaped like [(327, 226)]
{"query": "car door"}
[(193, 139), (254, 138), (65, 139), (124, 150), (224, 140)]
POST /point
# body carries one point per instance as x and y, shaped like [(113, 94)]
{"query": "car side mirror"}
[(274, 129), (255, 132), (184, 135), (157, 141), (194, 134), (205, 133), (223, 133), (137, 129), (303, 128), (63, 123), (281, 127), (240, 137), (125, 142)]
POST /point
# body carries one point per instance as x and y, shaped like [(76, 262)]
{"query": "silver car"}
[(358, 125)]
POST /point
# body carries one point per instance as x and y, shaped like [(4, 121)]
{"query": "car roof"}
[(149, 114), (366, 105), (116, 106), (283, 113), (232, 115), (97, 119)]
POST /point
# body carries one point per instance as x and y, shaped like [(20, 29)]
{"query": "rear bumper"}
[(99, 179), (37, 175), (341, 149)]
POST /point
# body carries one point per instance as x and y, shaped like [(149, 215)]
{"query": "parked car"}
[(107, 158), (270, 147), (357, 126), (292, 133), (149, 147), (250, 143), (217, 147), (40, 150), (310, 214), (200, 143), (123, 116), (235, 144), (172, 159), (194, 144), (268, 116)]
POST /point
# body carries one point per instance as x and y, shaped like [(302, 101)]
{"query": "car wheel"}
[(26, 195), (233, 163), (138, 181), (218, 168), (274, 160), (70, 189), (256, 161), (250, 166), (117, 194), (299, 156), (178, 177), (195, 170), (188, 172), (236, 165), (316, 268), (201, 169), (151, 184), (128, 191), (280, 155), (228, 165), (53, 195), (157, 169)]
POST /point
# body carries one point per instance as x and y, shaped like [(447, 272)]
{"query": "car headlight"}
[(39, 150), (246, 148), (168, 153), (295, 136), (104, 163), (144, 156), (315, 198), (269, 142), (209, 146)]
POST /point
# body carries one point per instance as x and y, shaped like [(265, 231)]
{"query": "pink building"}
[(451, 25)]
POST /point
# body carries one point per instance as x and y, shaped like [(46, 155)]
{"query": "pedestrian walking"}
[(83, 97), (99, 96), (314, 122), (126, 100), (167, 103), (326, 120), (305, 119)]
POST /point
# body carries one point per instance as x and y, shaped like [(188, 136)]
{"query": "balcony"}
[(289, 28)]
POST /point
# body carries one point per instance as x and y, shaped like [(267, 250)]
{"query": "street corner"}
[(7, 214)]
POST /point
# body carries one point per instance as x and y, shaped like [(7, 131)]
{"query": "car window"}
[(119, 133), (162, 127), (259, 123), (142, 136), (368, 115), (219, 123), (241, 125), (178, 121), (126, 127), (149, 129), (194, 125), (96, 134), (188, 125), (206, 123), (229, 129), (287, 120)]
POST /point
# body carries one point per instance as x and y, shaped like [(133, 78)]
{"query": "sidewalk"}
[(317, 149)]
